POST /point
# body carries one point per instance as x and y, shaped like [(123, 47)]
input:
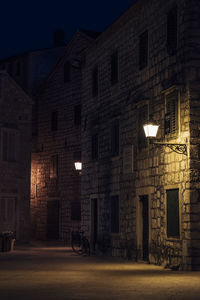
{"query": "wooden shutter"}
[(114, 214), (173, 213), (95, 146), (115, 138), (171, 113), (114, 67), (172, 31), (142, 119), (95, 81), (143, 50)]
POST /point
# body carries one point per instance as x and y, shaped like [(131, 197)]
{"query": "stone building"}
[(29, 69), (144, 197), (55, 184), (15, 155)]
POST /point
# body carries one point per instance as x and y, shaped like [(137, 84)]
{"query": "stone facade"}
[(55, 192), (145, 197), (15, 154)]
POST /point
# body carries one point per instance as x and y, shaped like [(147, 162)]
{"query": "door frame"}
[(139, 218)]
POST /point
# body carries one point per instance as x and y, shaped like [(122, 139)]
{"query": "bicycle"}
[(80, 243)]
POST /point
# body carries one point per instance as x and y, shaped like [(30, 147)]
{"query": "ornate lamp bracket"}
[(178, 148)]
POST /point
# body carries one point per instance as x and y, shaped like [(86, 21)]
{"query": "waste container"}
[(6, 241)]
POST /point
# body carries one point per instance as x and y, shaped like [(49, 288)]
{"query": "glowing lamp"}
[(150, 130), (78, 165)]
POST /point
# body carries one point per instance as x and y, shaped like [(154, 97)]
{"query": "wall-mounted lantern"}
[(151, 130), (78, 165)]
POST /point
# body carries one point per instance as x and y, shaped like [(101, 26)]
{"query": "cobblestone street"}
[(48, 272)]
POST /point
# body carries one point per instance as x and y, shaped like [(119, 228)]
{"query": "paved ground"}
[(45, 272)]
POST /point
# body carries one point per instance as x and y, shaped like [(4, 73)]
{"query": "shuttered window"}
[(114, 214), (54, 166), (54, 121), (143, 50), (10, 140), (114, 67), (142, 119), (173, 213), (172, 31), (77, 115), (95, 146), (95, 87), (115, 138), (171, 113)]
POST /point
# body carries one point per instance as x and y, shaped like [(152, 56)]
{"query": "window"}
[(95, 86), (173, 213), (115, 138), (75, 211), (54, 166), (77, 115), (143, 50), (77, 156), (171, 113), (9, 145), (114, 68), (7, 211), (172, 31), (67, 71), (54, 121), (114, 214), (142, 119), (95, 146)]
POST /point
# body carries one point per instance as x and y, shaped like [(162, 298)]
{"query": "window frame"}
[(9, 153), (142, 142), (53, 167), (77, 115), (115, 138), (171, 34), (54, 120), (115, 215), (95, 146), (114, 67), (143, 50), (174, 188), (95, 81), (172, 133)]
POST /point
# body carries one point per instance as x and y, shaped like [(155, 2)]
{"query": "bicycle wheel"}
[(85, 246)]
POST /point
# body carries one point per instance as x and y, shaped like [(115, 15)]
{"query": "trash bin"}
[(6, 241), (1, 243)]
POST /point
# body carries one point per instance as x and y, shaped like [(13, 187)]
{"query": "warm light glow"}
[(78, 165), (150, 130)]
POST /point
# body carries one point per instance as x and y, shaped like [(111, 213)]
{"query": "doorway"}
[(145, 226), (94, 223)]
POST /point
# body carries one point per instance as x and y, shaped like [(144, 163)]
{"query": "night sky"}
[(27, 25)]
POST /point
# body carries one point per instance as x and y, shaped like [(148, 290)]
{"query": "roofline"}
[(119, 22), (59, 61), (2, 72), (28, 53)]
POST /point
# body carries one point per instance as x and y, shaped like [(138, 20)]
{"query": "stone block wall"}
[(59, 191), (15, 152), (154, 169)]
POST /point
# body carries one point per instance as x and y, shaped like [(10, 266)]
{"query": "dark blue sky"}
[(28, 24)]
